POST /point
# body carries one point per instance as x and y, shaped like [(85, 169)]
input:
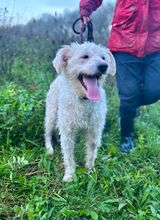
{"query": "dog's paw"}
[(93, 170), (67, 178), (89, 166), (50, 151)]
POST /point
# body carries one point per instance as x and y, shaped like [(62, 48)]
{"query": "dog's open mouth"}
[(90, 83)]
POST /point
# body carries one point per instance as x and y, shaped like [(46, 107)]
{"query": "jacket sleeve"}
[(88, 6)]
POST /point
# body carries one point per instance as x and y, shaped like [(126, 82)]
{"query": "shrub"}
[(21, 115)]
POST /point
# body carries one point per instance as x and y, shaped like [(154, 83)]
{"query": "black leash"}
[(83, 27)]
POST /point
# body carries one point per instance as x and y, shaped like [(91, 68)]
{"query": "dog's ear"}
[(61, 59), (112, 63)]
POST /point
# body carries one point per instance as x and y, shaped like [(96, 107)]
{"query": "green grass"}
[(121, 187)]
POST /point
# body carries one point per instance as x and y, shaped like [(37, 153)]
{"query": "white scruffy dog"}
[(76, 100)]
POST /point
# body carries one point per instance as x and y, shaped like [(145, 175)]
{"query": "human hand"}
[(86, 19)]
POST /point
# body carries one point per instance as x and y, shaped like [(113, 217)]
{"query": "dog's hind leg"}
[(50, 122)]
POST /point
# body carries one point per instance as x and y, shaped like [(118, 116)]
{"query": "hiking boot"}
[(127, 144), (127, 134)]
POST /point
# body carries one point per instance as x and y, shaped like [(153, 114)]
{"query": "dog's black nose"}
[(102, 68)]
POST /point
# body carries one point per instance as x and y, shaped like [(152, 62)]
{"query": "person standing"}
[(135, 43)]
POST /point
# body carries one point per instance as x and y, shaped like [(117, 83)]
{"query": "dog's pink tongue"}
[(92, 88)]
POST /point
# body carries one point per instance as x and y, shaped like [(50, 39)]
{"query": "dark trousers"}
[(138, 81)]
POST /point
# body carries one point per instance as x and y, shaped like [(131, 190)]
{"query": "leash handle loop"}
[(83, 26)]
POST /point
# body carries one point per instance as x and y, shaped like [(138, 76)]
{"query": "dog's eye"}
[(85, 57), (103, 58)]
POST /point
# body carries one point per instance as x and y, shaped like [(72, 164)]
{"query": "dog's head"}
[(85, 67)]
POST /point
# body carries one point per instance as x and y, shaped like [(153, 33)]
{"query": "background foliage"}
[(31, 187)]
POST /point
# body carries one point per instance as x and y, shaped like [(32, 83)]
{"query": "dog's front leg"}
[(93, 141), (67, 145)]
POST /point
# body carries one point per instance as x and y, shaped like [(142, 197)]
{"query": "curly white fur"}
[(67, 111)]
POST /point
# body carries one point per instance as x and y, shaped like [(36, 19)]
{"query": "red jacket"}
[(135, 25)]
